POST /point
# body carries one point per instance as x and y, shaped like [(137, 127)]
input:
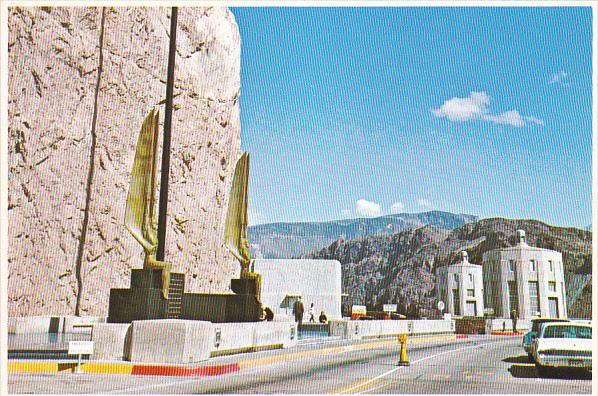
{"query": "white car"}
[(563, 345)]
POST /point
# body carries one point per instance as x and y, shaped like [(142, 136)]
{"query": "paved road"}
[(481, 364)]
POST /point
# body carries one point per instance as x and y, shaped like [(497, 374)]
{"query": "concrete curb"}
[(121, 368), (506, 333), (128, 368)]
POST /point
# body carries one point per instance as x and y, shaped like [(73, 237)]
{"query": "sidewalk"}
[(219, 365)]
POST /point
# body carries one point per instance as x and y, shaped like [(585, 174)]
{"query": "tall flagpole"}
[(166, 142)]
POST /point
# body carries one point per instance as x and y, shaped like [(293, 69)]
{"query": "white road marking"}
[(400, 367)]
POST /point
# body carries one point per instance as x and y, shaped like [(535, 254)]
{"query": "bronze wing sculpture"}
[(235, 234), (139, 212)]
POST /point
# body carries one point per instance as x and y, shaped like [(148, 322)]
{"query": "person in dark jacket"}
[(323, 318), (298, 310), (514, 318), (268, 314)]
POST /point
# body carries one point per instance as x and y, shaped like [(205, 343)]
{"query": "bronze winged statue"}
[(139, 212), (235, 234)]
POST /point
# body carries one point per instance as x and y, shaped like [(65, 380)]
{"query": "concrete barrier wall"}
[(360, 329), (34, 324), (239, 337), (233, 336), (338, 328), (433, 326), (275, 333), (52, 324), (185, 341), (112, 341), (173, 341), (522, 324)]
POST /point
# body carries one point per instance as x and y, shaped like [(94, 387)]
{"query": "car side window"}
[(584, 332)]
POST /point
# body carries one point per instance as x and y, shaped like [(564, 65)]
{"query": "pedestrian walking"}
[(312, 318), (514, 318), (298, 310)]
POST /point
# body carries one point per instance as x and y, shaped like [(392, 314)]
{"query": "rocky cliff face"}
[(81, 81)]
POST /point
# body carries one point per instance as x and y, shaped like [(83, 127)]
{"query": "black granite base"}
[(127, 305), (220, 308), (243, 286), (144, 300)]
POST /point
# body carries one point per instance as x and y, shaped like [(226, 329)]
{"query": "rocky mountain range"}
[(399, 268), (287, 240)]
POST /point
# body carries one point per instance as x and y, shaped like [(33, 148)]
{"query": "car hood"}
[(567, 344)]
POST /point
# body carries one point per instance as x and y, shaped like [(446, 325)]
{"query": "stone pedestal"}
[(144, 300), (243, 306)]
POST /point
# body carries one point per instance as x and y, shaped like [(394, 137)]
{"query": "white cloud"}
[(475, 107), (511, 117), (367, 208), (464, 109), (397, 207), (558, 78), (534, 120), (426, 204)]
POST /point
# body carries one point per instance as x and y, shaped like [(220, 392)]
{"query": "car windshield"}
[(568, 331)]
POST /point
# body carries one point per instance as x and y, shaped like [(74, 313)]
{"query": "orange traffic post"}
[(403, 359)]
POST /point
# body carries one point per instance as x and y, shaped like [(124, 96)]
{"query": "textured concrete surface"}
[(272, 333), (171, 341), (111, 341), (80, 82)]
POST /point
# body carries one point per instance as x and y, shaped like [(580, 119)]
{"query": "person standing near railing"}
[(298, 310)]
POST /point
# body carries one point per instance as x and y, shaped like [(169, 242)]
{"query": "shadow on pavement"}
[(529, 371), (523, 371), (522, 359)]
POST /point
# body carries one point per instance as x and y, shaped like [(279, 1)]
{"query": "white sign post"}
[(80, 348), (441, 306)]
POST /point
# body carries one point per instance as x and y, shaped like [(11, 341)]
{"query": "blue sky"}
[(356, 112)]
